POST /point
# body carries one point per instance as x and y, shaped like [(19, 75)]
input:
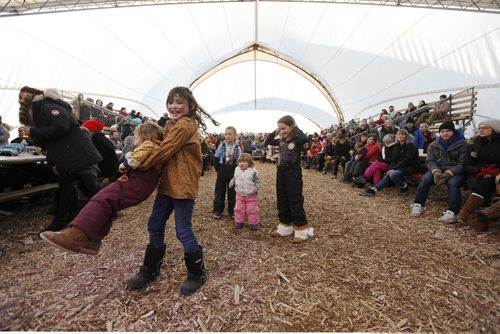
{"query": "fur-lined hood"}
[(26, 99)]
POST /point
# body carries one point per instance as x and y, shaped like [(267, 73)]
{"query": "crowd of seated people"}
[(416, 156)]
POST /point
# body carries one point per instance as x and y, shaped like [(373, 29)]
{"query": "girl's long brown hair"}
[(195, 110)]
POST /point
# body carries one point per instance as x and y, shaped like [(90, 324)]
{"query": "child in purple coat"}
[(93, 223)]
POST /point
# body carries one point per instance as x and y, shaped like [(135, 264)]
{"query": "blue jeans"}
[(162, 209), (396, 177), (454, 194)]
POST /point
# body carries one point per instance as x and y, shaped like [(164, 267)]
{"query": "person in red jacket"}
[(373, 152)]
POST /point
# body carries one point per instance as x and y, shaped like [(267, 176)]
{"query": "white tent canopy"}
[(364, 56)]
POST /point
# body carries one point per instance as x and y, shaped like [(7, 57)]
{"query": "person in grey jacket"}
[(445, 161)]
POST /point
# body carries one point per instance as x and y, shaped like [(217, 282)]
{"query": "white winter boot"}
[(302, 233), (283, 230)]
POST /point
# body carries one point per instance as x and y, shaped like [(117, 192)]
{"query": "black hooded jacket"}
[(68, 147)]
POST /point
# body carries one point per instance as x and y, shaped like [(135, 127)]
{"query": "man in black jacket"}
[(341, 153), (70, 152)]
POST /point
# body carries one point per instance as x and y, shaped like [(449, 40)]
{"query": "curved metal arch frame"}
[(31, 7), (258, 52)]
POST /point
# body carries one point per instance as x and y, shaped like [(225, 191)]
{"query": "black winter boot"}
[(149, 270), (196, 272)]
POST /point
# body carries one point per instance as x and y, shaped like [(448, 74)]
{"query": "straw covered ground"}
[(370, 267)]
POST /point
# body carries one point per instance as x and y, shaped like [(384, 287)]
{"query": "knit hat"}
[(448, 125), (491, 123), (410, 120), (93, 125), (341, 136), (137, 121)]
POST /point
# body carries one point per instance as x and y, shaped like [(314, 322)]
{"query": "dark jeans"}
[(290, 202), (454, 193), (396, 177), (88, 183), (338, 161), (66, 199), (162, 209), (224, 176)]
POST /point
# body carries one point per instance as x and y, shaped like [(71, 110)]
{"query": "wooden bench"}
[(16, 194), (461, 111)]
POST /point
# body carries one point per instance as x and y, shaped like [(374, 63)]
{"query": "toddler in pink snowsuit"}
[(247, 184)]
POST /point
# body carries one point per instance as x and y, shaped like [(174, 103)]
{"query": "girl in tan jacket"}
[(180, 158)]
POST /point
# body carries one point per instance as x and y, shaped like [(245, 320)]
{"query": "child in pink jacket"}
[(247, 184)]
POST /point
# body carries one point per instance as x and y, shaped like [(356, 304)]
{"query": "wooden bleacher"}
[(31, 191), (462, 108)]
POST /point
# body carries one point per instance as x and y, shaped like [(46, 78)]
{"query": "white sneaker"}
[(448, 217), (417, 209)]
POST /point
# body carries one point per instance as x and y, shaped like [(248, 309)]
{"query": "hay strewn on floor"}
[(370, 267)]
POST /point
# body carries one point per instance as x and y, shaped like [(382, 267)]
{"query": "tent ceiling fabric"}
[(366, 56), (25, 7)]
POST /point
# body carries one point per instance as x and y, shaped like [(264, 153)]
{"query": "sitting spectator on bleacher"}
[(445, 161), (387, 128), (372, 127), (373, 152), (358, 153), (411, 108), (311, 154), (115, 140), (383, 116), (110, 106), (363, 127), (423, 108), (381, 165), (70, 151), (392, 112), (440, 110), (340, 153), (482, 165), (108, 166), (428, 135), (404, 162), (369, 153), (418, 139)]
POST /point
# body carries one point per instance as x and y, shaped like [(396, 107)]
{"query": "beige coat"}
[(180, 157)]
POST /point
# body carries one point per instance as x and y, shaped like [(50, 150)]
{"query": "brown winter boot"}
[(92, 246), (485, 216), (473, 202), (70, 239)]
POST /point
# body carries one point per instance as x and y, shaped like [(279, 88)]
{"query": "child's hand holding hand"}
[(122, 169), (231, 184)]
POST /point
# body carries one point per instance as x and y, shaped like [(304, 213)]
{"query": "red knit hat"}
[(93, 125)]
